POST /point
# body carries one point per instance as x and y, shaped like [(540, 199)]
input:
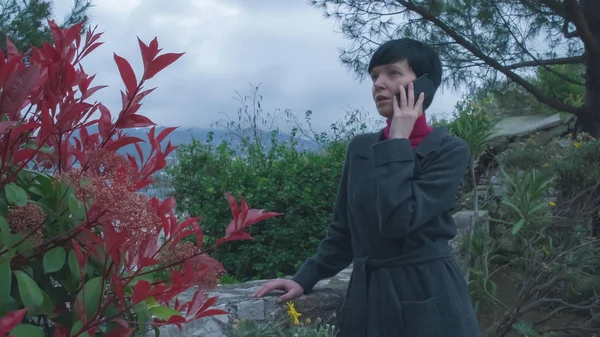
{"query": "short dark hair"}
[(421, 58)]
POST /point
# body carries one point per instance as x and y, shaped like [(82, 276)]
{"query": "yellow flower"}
[(577, 144), (552, 204), (545, 250), (294, 315), (546, 165)]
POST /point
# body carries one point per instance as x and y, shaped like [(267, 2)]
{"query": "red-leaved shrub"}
[(82, 252)]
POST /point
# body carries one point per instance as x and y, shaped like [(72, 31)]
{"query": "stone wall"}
[(323, 302)]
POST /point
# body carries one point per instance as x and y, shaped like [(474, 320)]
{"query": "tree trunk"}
[(590, 120)]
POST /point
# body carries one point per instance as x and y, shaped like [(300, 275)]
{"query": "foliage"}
[(278, 175), (549, 254), (255, 329), (484, 41), (24, 21), (82, 253), (564, 82), (289, 326)]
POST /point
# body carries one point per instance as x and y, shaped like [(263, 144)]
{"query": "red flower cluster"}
[(98, 239)]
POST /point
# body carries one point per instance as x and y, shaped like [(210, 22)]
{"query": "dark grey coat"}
[(393, 221)]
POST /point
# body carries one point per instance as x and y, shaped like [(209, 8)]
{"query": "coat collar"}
[(429, 144)]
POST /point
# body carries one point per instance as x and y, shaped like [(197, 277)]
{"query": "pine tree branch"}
[(548, 100), (549, 62)]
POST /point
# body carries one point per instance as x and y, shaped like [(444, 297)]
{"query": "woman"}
[(393, 218)]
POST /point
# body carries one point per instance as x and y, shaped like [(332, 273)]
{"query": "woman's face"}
[(387, 80)]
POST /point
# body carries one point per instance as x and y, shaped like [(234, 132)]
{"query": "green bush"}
[(270, 171), (300, 184)]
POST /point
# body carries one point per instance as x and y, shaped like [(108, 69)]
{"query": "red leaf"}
[(147, 56), (5, 125), (18, 86), (212, 312), (121, 142), (160, 162), (11, 320), (24, 155), (196, 302), (127, 73), (209, 303), (89, 92), (117, 282), (122, 322), (91, 48), (56, 35), (149, 248), (235, 236), (257, 215), (134, 121), (11, 49), (199, 235), (233, 206), (141, 291), (164, 133), (19, 129), (161, 63), (166, 206), (81, 258), (72, 33), (121, 332), (61, 331), (176, 319), (138, 98), (105, 123)]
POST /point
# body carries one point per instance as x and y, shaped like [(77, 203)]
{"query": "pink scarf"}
[(419, 132)]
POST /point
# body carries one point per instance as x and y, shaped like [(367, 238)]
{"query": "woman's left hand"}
[(406, 113)]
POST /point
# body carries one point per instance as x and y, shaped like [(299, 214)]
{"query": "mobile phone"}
[(424, 85)]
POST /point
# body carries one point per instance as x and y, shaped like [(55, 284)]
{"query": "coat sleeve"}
[(405, 202), (334, 252)]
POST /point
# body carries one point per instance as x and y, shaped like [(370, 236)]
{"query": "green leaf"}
[(164, 312), (35, 189), (30, 293), (5, 280), (76, 207), (4, 225), (27, 330), (54, 260), (91, 293), (9, 304), (76, 327), (73, 266), (3, 207), (517, 227), (15, 195), (24, 247)]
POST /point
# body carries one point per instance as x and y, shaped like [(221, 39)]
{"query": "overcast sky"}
[(284, 45)]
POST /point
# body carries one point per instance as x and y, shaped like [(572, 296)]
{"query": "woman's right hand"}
[(291, 289)]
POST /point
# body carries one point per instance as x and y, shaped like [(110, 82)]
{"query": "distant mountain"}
[(182, 136)]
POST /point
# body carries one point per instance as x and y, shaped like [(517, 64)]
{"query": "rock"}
[(252, 310), (526, 125), (324, 302)]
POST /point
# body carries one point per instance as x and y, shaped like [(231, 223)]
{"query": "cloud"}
[(286, 46)]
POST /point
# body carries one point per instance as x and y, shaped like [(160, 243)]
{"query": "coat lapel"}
[(429, 144)]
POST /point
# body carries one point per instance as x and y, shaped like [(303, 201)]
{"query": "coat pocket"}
[(421, 319)]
